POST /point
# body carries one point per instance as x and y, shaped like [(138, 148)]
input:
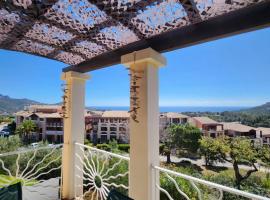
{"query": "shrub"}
[(88, 142), (124, 147), (103, 147)]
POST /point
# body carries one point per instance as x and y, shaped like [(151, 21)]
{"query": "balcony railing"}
[(38, 170), (101, 171), (201, 189)]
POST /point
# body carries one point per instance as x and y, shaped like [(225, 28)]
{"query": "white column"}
[(144, 126), (73, 132)]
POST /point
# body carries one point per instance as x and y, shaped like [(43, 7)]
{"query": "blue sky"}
[(233, 71)]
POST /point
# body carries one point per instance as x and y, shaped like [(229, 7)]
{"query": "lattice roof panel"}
[(86, 32)]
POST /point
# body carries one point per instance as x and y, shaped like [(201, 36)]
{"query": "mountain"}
[(10, 105), (262, 109)]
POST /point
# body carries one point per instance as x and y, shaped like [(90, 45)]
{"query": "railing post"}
[(144, 122), (73, 132)]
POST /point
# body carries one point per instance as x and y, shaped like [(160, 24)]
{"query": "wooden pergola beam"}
[(235, 22)]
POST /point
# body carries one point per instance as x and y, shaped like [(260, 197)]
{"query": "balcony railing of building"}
[(55, 132), (102, 171), (37, 169), (54, 125)]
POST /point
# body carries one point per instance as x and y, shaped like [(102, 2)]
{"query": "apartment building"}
[(107, 125), (167, 119), (208, 126), (100, 126), (48, 120), (265, 135), (235, 129)]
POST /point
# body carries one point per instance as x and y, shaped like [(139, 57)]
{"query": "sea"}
[(177, 108)]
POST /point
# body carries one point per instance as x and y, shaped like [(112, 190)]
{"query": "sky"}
[(233, 71)]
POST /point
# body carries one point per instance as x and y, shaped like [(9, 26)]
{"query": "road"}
[(201, 163)]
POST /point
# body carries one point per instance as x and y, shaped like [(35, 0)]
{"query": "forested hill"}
[(10, 105), (263, 109), (258, 116)]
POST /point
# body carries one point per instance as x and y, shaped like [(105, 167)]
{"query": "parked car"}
[(34, 145)]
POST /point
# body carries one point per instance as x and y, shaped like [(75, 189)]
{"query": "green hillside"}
[(262, 109), (10, 105)]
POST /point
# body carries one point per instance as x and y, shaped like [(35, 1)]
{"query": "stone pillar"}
[(73, 132), (144, 122)]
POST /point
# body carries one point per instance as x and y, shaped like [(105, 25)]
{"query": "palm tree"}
[(26, 129)]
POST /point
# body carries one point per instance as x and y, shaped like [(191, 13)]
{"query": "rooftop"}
[(175, 115), (265, 131), (205, 120), (237, 127), (118, 114)]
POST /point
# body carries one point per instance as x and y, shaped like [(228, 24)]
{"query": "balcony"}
[(39, 171), (50, 132)]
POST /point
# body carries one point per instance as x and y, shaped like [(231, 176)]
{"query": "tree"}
[(237, 151), (210, 149), (241, 150), (12, 127), (26, 129), (264, 155), (182, 137)]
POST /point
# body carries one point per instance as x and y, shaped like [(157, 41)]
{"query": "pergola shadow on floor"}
[(89, 35)]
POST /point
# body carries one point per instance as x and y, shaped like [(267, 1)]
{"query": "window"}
[(104, 129), (122, 129)]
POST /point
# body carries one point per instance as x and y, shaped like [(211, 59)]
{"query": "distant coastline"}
[(177, 108)]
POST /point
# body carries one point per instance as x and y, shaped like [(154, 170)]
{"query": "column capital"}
[(145, 55), (74, 75)]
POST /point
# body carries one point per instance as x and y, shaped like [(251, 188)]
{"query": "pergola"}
[(92, 34)]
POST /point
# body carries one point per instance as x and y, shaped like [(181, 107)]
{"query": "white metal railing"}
[(100, 171), (194, 182), (111, 170), (38, 170)]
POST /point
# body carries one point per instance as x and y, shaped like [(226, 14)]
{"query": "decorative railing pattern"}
[(212, 190), (38, 170), (101, 172)]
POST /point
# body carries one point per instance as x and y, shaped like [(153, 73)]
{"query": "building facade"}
[(167, 119), (48, 120), (235, 129), (100, 126), (208, 127), (103, 126), (265, 135), (108, 125)]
